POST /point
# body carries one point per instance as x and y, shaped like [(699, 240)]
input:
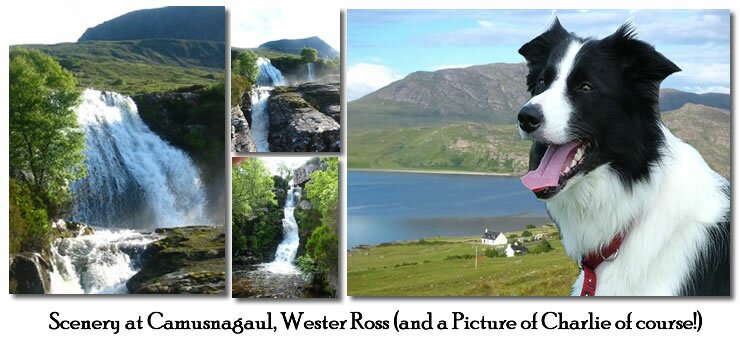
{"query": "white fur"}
[(667, 220), (556, 106)]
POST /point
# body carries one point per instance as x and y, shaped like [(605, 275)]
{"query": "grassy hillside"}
[(707, 129), (446, 267), (141, 66), (469, 147)]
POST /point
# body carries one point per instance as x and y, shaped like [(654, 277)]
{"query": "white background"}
[(28, 317)]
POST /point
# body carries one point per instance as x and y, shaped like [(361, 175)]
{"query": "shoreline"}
[(437, 172)]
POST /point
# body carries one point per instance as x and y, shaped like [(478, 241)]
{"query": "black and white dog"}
[(636, 206)]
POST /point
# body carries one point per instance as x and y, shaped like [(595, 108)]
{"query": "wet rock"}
[(302, 174), (241, 136), (333, 111), (29, 274), (305, 205), (188, 260), (64, 229), (296, 122)]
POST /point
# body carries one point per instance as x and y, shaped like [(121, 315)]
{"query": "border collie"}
[(638, 208)]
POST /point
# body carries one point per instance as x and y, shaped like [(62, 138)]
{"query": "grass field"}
[(469, 147), (430, 267)]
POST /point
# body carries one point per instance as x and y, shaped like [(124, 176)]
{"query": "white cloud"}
[(442, 67), (707, 89), (364, 78), (485, 23), (704, 73)]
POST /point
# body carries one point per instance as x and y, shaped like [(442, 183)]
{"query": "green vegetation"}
[(140, 66), (29, 224), (251, 187), (244, 71), (46, 144), (320, 259), (309, 55), (446, 267), (254, 227), (468, 147)]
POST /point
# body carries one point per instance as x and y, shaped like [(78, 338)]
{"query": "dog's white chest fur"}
[(666, 220)]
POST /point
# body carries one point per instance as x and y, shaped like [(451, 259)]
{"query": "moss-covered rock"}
[(186, 260)]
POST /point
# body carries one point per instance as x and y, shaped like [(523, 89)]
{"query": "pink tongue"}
[(553, 162)]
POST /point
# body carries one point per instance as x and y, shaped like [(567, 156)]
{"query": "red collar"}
[(594, 259)]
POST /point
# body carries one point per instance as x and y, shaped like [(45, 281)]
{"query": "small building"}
[(515, 249), (494, 238)]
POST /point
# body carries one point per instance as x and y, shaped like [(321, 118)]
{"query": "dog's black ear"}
[(537, 51), (638, 59)]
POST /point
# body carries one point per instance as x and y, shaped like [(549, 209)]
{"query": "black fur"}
[(619, 116), (711, 273)]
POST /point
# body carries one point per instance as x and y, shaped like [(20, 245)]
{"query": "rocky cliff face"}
[(305, 118), (241, 137), (188, 260), (302, 174)]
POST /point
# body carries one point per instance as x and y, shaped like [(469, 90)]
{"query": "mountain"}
[(671, 99), (140, 66), (294, 46), (464, 119), (490, 93), (187, 22), (707, 129)]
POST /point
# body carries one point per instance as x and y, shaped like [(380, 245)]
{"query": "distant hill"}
[(294, 46), (464, 119), (484, 93), (140, 66), (707, 129), (187, 22), (672, 99), (491, 93)]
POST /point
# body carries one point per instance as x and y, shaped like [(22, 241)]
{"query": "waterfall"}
[(286, 251), (135, 179), (100, 263), (310, 72), (267, 77), (260, 119)]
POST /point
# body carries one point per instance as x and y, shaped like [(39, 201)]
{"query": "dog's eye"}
[(541, 82), (585, 87)]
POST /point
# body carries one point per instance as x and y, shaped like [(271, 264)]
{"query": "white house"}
[(516, 248), (509, 251), (494, 238)]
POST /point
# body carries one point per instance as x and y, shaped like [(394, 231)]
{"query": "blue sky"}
[(386, 45)]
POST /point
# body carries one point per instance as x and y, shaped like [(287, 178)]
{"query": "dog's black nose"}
[(530, 117)]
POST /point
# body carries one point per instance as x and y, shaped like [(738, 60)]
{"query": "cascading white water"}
[(286, 251), (136, 181), (310, 72), (260, 118), (97, 264), (267, 77)]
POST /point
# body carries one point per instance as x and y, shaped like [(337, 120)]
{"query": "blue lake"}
[(392, 206)]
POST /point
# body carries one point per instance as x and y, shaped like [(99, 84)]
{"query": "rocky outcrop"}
[(241, 137), (297, 122), (29, 274), (64, 229), (302, 174), (187, 260)]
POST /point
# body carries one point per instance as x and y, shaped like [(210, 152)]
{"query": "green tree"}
[(323, 191), (245, 65), (526, 233), (29, 224), (309, 55), (285, 171), (45, 138), (251, 187)]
